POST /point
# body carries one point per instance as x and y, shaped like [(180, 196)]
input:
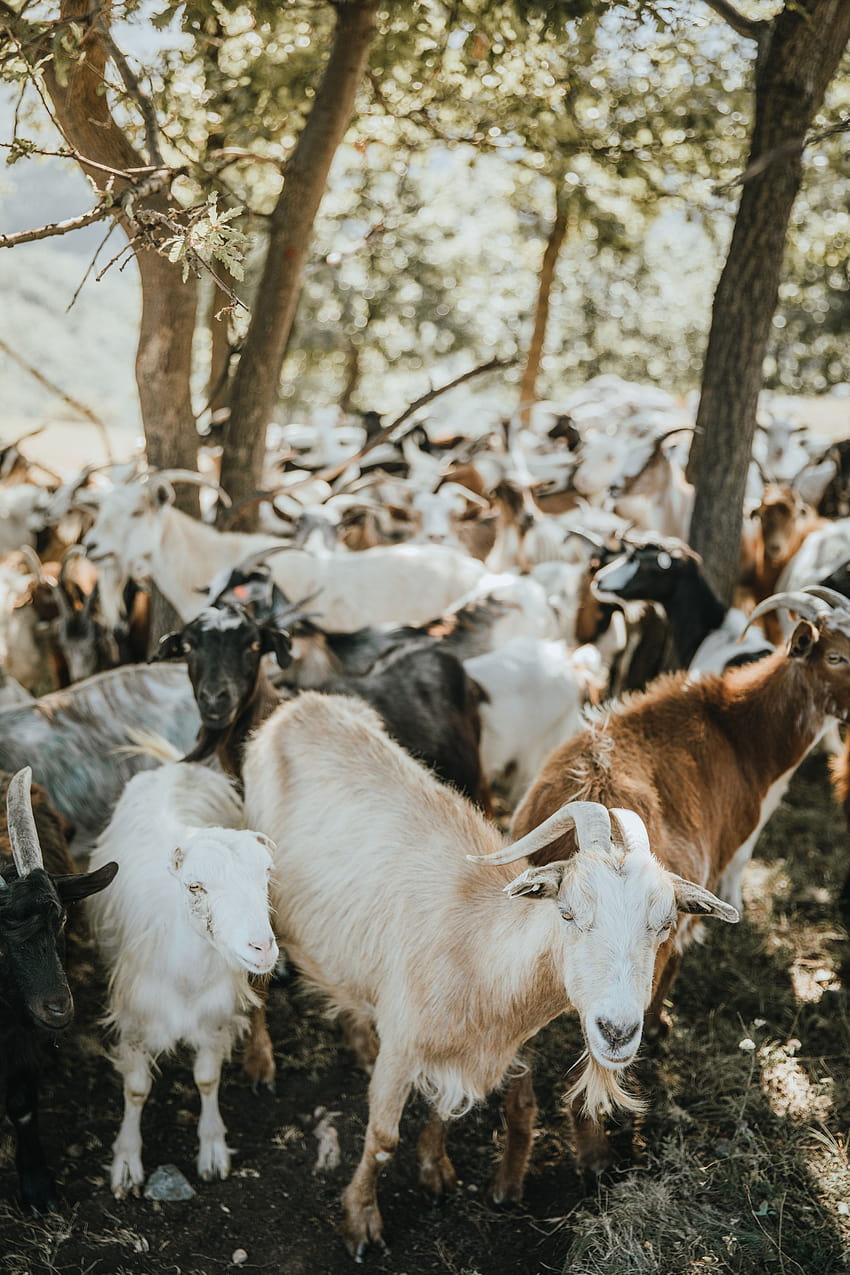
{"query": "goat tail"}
[(602, 1091), (146, 743)]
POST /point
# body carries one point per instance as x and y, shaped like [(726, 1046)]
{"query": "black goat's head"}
[(646, 570), (223, 647), (32, 917)]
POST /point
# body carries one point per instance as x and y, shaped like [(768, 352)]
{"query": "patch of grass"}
[(749, 1099)]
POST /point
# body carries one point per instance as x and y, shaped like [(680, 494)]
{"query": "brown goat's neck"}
[(774, 705)]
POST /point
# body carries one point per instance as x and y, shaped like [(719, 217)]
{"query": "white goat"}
[(181, 938), (138, 525), (536, 692), (456, 964)]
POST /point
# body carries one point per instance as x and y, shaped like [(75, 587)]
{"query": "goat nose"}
[(56, 1011), (264, 953), (617, 1036)]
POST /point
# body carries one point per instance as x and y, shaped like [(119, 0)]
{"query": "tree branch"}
[(56, 227), (73, 403), (749, 28), (134, 89), (494, 365), (790, 147)]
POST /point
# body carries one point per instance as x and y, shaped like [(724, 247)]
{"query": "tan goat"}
[(455, 964)]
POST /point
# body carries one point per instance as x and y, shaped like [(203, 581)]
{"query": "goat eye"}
[(566, 916), (833, 657), (197, 888), (185, 647), (256, 646)]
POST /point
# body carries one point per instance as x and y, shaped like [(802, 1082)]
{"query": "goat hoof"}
[(264, 1087), (364, 1230), (658, 1028), (438, 1177), (38, 1193), (503, 1194)]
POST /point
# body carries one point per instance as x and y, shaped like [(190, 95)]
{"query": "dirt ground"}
[(739, 1164)]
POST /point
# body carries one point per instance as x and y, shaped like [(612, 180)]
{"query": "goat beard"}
[(601, 1090)]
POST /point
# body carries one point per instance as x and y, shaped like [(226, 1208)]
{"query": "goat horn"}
[(259, 556), (590, 536), (23, 835), (296, 611), (72, 552), (34, 563), (832, 596), (191, 476), (632, 829), (809, 607), (590, 820)]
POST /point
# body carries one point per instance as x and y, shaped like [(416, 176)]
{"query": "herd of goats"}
[(424, 633)]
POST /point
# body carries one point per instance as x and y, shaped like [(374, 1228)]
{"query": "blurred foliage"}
[(475, 116)]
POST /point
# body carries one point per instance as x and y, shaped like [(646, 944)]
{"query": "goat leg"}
[(127, 1173), (388, 1089), (656, 1021), (520, 1117), (436, 1171), (213, 1152), (360, 1038), (38, 1189), (258, 1056), (590, 1140)]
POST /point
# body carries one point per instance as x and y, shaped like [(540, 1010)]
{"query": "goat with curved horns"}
[(455, 963), (704, 763)]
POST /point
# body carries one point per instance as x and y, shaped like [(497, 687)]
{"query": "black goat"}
[(666, 571), (35, 999), (427, 701)]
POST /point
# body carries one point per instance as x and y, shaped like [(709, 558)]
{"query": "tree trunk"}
[(164, 353), (218, 384), (352, 376), (798, 53), (557, 233), (257, 378)]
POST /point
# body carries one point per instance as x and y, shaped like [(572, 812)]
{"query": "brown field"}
[(739, 1165)]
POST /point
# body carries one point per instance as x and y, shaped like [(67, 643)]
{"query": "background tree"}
[(797, 53)]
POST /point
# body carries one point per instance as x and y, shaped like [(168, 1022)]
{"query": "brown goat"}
[(784, 523), (704, 763)]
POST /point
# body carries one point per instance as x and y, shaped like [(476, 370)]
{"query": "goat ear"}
[(79, 885), (802, 640), (278, 644), (541, 883), (170, 648), (698, 901)]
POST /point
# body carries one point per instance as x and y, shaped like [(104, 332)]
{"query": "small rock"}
[(168, 1183), (238, 1256), (746, 1045)]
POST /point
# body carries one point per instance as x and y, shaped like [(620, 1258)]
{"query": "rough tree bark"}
[(257, 377), (797, 54), (554, 243), (167, 324)]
